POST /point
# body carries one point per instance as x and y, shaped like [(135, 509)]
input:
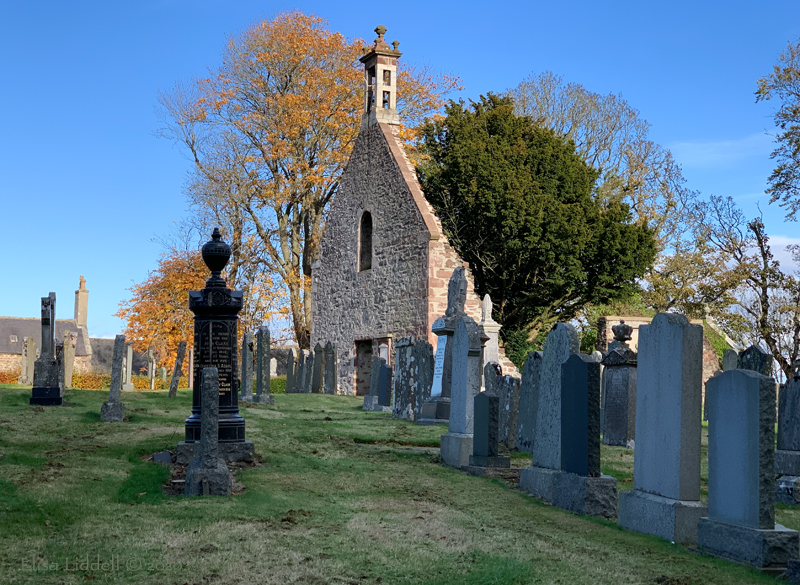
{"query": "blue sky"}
[(86, 187)]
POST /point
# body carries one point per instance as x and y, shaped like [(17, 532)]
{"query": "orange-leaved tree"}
[(270, 132)]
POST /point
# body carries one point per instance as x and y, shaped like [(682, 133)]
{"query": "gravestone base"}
[(46, 396), (128, 387), (538, 481), (787, 462), (248, 398), (211, 481), (435, 412), (496, 461), (370, 402), (787, 490), (455, 449), (263, 398), (595, 496), (244, 452), (757, 547), (112, 412), (675, 520)]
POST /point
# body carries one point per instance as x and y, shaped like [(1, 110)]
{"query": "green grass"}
[(339, 496)]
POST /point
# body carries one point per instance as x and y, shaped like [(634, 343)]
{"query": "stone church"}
[(384, 261)]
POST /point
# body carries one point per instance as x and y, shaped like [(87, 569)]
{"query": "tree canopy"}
[(517, 203)]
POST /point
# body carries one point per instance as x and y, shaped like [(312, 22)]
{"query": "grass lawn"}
[(340, 496)]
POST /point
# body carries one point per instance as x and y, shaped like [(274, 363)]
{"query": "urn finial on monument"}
[(622, 333), (216, 254)]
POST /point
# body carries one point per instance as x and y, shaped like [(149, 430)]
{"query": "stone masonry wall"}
[(10, 362)]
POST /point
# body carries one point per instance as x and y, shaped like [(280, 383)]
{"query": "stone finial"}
[(456, 293), (486, 309), (216, 254), (622, 332)]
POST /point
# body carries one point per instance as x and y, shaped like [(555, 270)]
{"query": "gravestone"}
[(162, 373), (562, 342), (491, 351), (331, 369), (665, 499), (730, 360), (486, 409), (46, 391), (787, 456), (402, 406), (263, 390), (507, 389), (60, 362), (273, 368), (371, 399), (528, 401), (741, 507), (70, 344), (113, 410), (579, 487), (619, 390), (308, 372), (207, 474), (299, 372), (191, 368), (127, 378), (176, 371), (422, 365), (456, 444), (246, 392), (755, 359), (216, 320), (290, 373), (151, 368), (385, 388), (28, 360), (316, 375)]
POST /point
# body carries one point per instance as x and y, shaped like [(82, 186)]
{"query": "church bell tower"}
[(380, 81)]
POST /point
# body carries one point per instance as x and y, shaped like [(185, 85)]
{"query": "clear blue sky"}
[(85, 185)]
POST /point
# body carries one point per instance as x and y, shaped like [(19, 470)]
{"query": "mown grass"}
[(340, 496)]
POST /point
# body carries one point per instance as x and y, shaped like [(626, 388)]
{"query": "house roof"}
[(22, 327)]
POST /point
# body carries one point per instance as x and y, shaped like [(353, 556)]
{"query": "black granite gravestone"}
[(580, 416), (486, 413), (756, 359), (385, 385), (46, 390)]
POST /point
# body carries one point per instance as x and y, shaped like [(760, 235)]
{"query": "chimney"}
[(81, 303), (380, 82)]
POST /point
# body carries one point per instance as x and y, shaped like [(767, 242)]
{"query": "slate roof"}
[(103, 354), (23, 327)]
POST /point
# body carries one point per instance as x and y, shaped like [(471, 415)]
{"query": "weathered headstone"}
[(46, 391), (371, 399), (127, 379), (787, 457), (263, 392), (456, 444), (528, 401), (730, 360), (28, 360), (402, 406), (151, 368), (755, 359), (176, 372), (507, 389), (331, 369), (491, 351), (207, 474), (580, 487), (273, 368), (741, 507), (385, 387), (290, 373), (60, 362), (162, 373), (316, 375), (486, 409), (562, 342), (246, 393), (422, 371), (216, 309), (70, 344), (191, 368), (665, 499), (113, 410), (300, 373), (308, 372), (619, 394)]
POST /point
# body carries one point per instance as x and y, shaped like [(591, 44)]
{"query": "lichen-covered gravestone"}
[(207, 474), (562, 342), (113, 410), (422, 365), (402, 407), (528, 401), (331, 369), (665, 499), (741, 508), (263, 394)]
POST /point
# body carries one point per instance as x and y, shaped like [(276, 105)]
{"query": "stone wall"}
[(10, 362)]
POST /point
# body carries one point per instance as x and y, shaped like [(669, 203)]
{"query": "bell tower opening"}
[(380, 79)]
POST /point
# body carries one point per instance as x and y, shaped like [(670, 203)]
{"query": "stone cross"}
[(207, 473), (290, 374), (46, 390), (528, 401), (665, 499), (330, 369), (316, 379), (246, 394), (113, 410), (456, 293), (176, 372), (263, 389), (127, 381)]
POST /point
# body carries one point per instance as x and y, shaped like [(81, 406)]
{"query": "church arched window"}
[(365, 242)]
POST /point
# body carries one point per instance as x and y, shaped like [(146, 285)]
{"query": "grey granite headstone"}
[(28, 360), (290, 373), (308, 371), (371, 399), (70, 344), (300, 373), (316, 376), (127, 374), (263, 392), (528, 401), (485, 453), (207, 473), (787, 457), (741, 508), (60, 362), (619, 397), (755, 359), (329, 385), (246, 378), (385, 386), (113, 410), (508, 393), (46, 390), (665, 500), (730, 360), (402, 406), (176, 371), (422, 365)]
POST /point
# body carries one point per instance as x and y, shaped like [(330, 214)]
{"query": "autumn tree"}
[(783, 84), (269, 133), (516, 201)]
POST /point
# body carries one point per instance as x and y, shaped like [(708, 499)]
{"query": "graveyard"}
[(337, 495)]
